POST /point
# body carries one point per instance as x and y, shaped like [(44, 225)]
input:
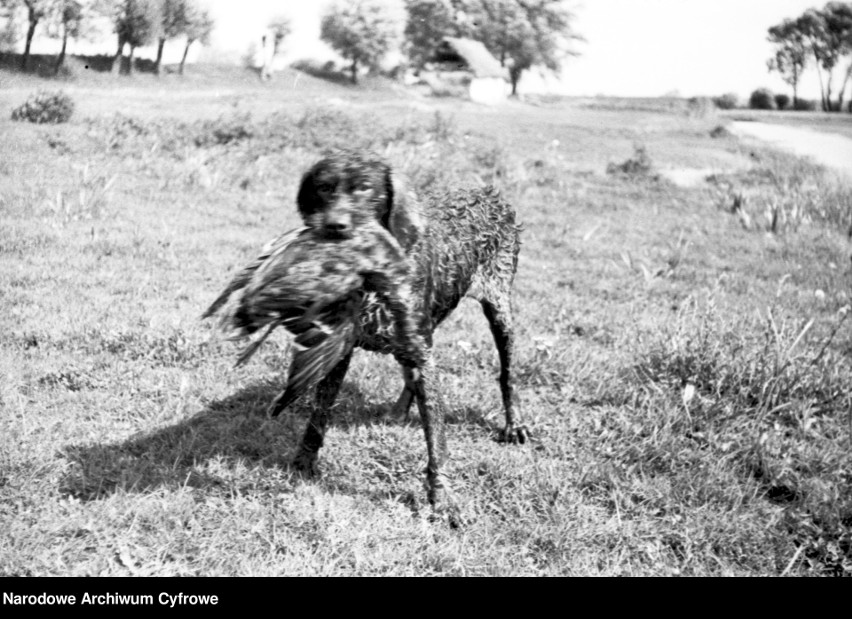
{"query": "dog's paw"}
[(445, 509), (305, 464), (514, 435)]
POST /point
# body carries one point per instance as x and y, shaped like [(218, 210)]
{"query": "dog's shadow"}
[(234, 429)]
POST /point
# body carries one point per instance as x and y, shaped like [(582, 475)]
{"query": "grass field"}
[(683, 351)]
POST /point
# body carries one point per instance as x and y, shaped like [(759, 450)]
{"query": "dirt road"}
[(832, 151)]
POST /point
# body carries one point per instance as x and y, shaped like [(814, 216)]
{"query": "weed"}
[(45, 108), (773, 403), (638, 166)]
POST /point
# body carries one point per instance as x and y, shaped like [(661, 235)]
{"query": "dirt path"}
[(830, 150)]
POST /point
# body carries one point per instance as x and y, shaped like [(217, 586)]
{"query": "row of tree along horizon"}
[(135, 22), (519, 33), (822, 37)]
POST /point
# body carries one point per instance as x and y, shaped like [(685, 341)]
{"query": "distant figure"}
[(267, 53)]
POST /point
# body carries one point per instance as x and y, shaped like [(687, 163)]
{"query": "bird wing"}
[(245, 275), (317, 351)]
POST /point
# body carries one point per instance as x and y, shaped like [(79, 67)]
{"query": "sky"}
[(631, 47)]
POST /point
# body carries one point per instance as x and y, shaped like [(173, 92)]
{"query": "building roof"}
[(478, 59)]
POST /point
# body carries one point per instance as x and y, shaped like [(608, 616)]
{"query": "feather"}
[(314, 287)]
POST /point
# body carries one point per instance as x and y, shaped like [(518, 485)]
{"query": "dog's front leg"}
[(306, 457), (432, 416)]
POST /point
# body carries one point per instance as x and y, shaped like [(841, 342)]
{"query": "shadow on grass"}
[(234, 430)]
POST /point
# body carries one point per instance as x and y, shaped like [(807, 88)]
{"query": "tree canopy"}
[(791, 54), (427, 23), (521, 34), (362, 31), (822, 35)]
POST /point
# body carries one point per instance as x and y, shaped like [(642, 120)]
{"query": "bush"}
[(782, 102), (45, 107), (699, 107), (805, 105), (224, 131), (638, 166), (762, 99), (720, 131), (728, 101)]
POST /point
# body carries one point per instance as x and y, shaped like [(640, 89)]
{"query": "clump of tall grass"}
[(86, 200), (782, 193), (639, 166), (762, 403)]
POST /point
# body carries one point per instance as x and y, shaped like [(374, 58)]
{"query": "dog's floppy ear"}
[(308, 199), (403, 217)]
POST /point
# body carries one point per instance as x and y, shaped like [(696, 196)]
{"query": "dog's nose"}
[(337, 226)]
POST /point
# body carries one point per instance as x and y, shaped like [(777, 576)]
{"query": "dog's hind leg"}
[(402, 408), (327, 390), (498, 311)]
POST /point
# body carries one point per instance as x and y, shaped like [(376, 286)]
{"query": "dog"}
[(459, 243), (455, 244)]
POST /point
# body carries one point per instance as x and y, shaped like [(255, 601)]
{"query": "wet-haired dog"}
[(454, 244)]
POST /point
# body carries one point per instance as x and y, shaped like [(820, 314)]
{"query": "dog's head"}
[(348, 189)]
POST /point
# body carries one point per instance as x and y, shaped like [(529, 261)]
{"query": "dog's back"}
[(468, 246)]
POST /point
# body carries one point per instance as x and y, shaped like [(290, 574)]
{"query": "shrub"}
[(699, 106), (728, 101), (720, 131), (762, 99), (805, 105), (224, 131), (640, 165), (45, 107), (782, 101)]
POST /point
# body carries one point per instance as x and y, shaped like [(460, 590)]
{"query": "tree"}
[(36, 11), (8, 33), (362, 31), (137, 23), (427, 23), (838, 18), (523, 33), (173, 23), (69, 17), (199, 26), (791, 54), (281, 28), (826, 49)]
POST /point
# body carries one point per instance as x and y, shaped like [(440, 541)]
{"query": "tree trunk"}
[(821, 87), (828, 91), (795, 87), (157, 62), (130, 60), (842, 91), (354, 70), (185, 52), (116, 63), (515, 77), (61, 60), (25, 60)]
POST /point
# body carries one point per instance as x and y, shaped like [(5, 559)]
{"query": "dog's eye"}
[(363, 187)]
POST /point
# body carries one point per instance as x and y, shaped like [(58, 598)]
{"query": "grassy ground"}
[(683, 354)]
